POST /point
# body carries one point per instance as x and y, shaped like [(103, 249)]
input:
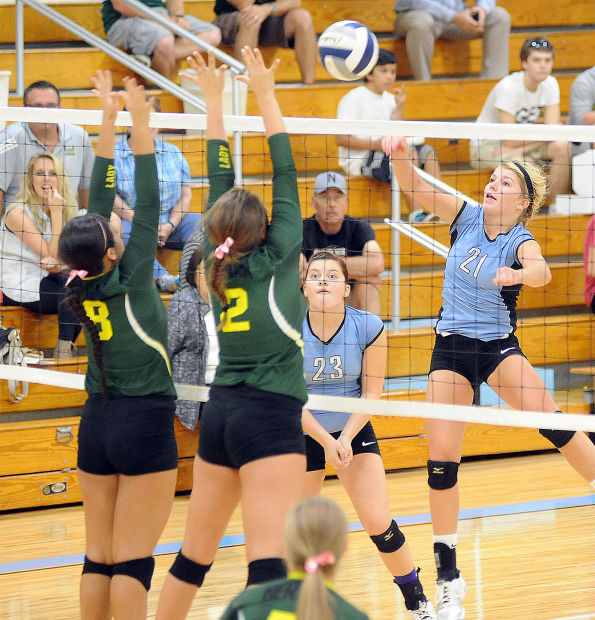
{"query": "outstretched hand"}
[(261, 79), (136, 101), (102, 82), (395, 146), (207, 76)]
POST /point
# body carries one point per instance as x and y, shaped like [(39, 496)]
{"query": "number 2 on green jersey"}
[(240, 296)]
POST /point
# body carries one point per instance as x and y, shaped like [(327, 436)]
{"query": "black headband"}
[(528, 182)]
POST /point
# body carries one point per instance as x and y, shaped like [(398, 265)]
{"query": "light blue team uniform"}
[(473, 305), (334, 368)]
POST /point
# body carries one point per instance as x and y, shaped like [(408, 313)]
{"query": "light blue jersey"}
[(334, 368), (472, 305)]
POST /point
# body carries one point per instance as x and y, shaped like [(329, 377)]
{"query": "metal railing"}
[(149, 74), (397, 226)]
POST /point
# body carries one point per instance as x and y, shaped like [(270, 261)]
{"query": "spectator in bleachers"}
[(19, 142), (582, 105), (30, 272), (374, 100), (330, 229), (176, 223), (523, 97), (192, 335), (589, 265), (150, 42), (259, 23), (421, 22)]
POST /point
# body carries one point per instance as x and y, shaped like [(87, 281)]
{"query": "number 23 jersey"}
[(472, 305), (334, 368)]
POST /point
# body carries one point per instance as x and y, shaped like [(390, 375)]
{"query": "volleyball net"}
[(554, 324)]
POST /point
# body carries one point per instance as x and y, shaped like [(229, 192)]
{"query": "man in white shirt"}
[(525, 97)]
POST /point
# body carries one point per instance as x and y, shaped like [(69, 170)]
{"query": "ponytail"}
[(315, 539), (74, 300)]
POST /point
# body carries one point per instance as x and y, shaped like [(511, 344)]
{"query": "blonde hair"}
[(238, 214), (539, 180), (316, 525), (28, 197)]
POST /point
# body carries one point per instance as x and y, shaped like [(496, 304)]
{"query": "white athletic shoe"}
[(449, 599), (424, 612)]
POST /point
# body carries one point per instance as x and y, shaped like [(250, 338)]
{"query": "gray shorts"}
[(139, 35), (272, 30)]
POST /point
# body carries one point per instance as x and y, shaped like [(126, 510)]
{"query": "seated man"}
[(19, 142), (582, 105), (149, 41), (521, 97), (422, 21), (376, 100), (330, 229), (176, 223), (259, 23)]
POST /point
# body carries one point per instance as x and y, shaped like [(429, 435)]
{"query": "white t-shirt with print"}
[(361, 104), (512, 96)]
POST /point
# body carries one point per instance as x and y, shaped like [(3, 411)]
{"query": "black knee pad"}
[(391, 540), (189, 571), (266, 569), (140, 569), (558, 438), (442, 475), (97, 567)]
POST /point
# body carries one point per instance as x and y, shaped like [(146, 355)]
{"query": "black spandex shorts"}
[(240, 424), (474, 359), (128, 435), (364, 442)]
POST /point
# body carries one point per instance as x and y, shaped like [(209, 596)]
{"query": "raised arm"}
[(142, 245), (434, 201), (211, 80), (102, 189)]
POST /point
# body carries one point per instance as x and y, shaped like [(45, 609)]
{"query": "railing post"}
[(395, 254), (19, 46)]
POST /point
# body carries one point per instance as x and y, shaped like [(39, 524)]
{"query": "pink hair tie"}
[(223, 249), (311, 564), (81, 273)]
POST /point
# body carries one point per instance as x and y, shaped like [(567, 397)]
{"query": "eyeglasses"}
[(541, 43)]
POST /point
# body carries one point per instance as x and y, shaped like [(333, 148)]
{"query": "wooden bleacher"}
[(39, 453)]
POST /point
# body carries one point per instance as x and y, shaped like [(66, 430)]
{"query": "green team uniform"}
[(124, 303), (261, 341), (277, 600)]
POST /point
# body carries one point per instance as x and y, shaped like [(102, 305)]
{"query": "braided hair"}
[(83, 243)]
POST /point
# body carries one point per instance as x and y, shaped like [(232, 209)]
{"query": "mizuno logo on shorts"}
[(507, 350), (367, 443)]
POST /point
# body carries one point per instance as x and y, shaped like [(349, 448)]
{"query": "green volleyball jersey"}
[(277, 600), (124, 303), (261, 341)]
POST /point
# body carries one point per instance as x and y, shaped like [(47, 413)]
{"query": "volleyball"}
[(348, 50)]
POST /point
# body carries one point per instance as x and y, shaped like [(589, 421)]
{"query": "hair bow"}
[(311, 564), (81, 273), (223, 249)]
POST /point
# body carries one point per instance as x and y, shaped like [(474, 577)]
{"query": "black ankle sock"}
[(413, 593), (446, 562)]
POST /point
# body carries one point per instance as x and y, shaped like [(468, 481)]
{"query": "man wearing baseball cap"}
[(330, 229)]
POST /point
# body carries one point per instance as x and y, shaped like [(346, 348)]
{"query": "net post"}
[(237, 135), (395, 191)]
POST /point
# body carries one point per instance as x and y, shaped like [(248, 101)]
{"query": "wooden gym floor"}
[(526, 549)]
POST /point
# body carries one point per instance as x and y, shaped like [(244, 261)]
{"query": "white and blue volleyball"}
[(348, 50)]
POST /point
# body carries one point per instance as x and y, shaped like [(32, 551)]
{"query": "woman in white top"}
[(30, 274)]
